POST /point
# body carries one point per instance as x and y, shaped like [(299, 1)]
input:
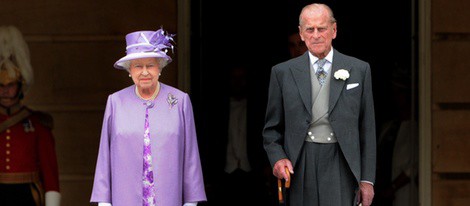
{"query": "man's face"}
[(9, 94), (317, 31)]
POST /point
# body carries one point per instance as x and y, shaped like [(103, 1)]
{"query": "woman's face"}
[(145, 72)]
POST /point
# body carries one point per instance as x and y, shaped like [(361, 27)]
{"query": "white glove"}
[(190, 204), (52, 198), (104, 204)]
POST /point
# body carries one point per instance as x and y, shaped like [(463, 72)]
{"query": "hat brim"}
[(120, 63)]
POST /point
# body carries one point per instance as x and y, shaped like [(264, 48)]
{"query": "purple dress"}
[(176, 163)]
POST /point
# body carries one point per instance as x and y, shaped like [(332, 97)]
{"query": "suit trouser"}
[(322, 177)]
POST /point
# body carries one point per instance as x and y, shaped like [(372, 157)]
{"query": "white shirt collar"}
[(329, 58)]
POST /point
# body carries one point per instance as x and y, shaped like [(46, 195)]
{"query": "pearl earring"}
[(130, 75), (159, 74)]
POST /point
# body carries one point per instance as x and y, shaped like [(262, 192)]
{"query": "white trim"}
[(119, 63)]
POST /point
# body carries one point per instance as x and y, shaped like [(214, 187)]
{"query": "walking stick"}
[(282, 191)]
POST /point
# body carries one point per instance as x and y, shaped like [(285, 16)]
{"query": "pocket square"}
[(350, 86)]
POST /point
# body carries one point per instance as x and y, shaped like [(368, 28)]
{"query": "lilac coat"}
[(176, 164)]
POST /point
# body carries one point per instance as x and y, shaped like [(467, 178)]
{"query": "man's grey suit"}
[(351, 113)]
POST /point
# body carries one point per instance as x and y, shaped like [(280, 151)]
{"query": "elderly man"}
[(320, 122)]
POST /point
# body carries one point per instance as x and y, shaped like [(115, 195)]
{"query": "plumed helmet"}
[(15, 63)]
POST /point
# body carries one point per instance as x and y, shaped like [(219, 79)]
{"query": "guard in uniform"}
[(28, 164)]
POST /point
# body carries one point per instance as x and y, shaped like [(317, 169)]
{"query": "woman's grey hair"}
[(161, 64), (317, 6)]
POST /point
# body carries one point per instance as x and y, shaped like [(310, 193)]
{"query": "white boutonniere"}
[(342, 74)]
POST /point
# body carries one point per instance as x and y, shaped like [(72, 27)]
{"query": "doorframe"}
[(183, 37), (425, 112)]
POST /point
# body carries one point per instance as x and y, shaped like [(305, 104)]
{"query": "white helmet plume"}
[(14, 55)]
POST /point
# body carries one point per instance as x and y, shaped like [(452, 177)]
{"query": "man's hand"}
[(279, 169), (366, 193)]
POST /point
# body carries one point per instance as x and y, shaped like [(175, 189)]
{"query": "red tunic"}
[(28, 146)]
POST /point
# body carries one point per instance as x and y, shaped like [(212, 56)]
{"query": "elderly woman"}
[(148, 152)]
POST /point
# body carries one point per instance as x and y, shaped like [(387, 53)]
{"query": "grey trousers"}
[(322, 178)]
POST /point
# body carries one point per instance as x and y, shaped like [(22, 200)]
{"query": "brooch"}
[(28, 126), (172, 100)]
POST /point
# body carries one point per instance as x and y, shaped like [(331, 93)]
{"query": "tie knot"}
[(321, 62)]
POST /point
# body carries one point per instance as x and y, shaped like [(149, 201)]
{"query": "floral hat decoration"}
[(145, 44)]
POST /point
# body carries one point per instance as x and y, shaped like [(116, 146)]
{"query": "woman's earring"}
[(159, 74), (130, 75)]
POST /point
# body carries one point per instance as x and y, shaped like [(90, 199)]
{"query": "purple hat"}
[(145, 44)]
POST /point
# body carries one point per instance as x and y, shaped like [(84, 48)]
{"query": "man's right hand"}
[(279, 169)]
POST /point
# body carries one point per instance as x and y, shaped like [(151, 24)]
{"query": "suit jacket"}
[(351, 112)]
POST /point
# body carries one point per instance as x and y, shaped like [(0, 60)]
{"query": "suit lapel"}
[(336, 86), (300, 72)]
